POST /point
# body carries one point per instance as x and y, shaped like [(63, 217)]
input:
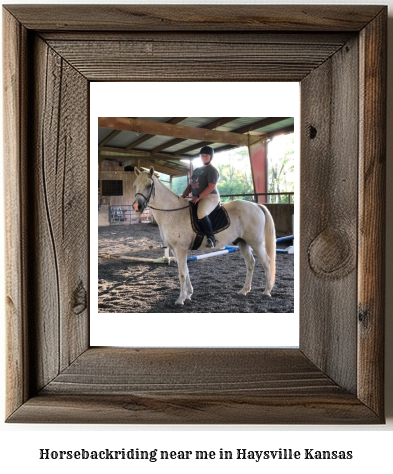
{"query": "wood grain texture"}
[(178, 131), (372, 198), (195, 36), (190, 59), (183, 371), (188, 17), (239, 409), (193, 386), (14, 148), (53, 376), (328, 249), (59, 191)]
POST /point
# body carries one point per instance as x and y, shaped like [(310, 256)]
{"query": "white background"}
[(174, 99), (371, 445)]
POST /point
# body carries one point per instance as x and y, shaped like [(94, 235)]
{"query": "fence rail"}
[(125, 214), (270, 198)]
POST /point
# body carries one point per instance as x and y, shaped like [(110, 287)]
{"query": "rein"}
[(147, 199), (170, 210)]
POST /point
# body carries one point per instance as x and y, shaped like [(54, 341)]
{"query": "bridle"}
[(147, 199)]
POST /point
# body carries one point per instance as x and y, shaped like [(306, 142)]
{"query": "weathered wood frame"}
[(51, 53)]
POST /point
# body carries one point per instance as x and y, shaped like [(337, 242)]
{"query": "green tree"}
[(235, 174), (179, 184), (281, 166)]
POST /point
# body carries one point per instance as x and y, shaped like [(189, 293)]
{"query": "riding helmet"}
[(207, 150)]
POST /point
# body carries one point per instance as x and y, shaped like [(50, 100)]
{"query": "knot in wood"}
[(363, 316), (331, 255), (80, 299), (313, 132)]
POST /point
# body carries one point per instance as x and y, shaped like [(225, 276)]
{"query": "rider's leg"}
[(207, 228), (205, 206)]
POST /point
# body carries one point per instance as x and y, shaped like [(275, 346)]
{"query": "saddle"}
[(219, 218)]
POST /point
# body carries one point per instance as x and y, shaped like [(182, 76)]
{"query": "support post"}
[(190, 172), (258, 159), (100, 158)]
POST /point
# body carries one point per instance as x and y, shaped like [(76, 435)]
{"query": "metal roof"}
[(163, 142)]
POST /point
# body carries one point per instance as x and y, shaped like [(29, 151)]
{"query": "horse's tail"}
[(270, 241)]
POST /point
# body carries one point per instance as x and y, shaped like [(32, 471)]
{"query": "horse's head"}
[(144, 189)]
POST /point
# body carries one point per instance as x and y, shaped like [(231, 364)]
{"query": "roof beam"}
[(109, 137), (216, 123), (268, 136), (172, 169), (141, 154), (261, 123), (148, 136), (176, 131), (162, 167)]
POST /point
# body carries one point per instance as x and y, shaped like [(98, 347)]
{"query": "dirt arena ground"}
[(129, 287)]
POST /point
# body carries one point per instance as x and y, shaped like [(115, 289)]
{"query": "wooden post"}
[(191, 171), (100, 158), (258, 159)]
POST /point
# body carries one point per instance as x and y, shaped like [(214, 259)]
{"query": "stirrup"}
[(210, 243)]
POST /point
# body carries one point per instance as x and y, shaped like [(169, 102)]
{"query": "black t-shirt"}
[(202, 177)]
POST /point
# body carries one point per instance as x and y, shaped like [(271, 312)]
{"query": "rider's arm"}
[(207, 190), (186, 191)]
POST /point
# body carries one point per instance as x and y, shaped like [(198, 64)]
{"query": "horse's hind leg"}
[(245, 249), (265, 260), (184, 277)]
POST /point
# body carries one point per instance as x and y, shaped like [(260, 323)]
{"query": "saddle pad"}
[(219, 218)]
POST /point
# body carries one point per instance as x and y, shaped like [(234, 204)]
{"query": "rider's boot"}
[(207, 228)]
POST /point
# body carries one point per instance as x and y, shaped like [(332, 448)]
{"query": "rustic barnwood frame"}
[(338, 54)]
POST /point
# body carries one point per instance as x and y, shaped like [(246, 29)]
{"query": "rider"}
[(204, 189)]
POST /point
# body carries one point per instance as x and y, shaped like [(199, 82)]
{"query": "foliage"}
[(179, 184), (235, 174), (281, 167)]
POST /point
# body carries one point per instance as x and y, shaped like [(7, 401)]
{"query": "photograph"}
[(196, 214)]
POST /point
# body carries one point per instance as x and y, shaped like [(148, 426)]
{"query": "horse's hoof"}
[(267, 293), (243, 292), (179, 302)]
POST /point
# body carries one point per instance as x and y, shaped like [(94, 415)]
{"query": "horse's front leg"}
[(184, 277)]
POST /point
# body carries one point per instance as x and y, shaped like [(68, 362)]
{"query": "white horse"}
[(250, 224)]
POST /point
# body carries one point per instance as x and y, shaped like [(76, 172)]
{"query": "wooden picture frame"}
[(338, 54)]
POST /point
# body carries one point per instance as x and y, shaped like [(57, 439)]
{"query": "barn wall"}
[(282, 216), (103, 215), (128, 178), (111, 165)]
